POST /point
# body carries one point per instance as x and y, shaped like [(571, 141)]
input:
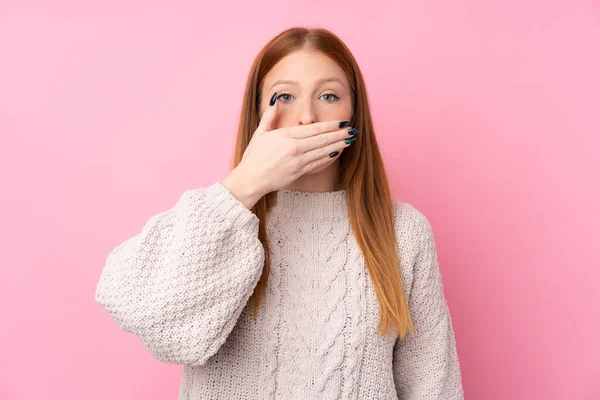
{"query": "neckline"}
[(310, 205)]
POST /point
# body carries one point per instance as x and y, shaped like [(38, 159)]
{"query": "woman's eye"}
[(333, 97), (280, 97)]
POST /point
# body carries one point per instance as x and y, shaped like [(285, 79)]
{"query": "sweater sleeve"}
[(182, 282), (426, 365)]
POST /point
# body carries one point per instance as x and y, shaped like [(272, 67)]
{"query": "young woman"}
[(296, 276)]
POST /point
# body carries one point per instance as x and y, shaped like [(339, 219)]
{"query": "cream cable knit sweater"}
[(181, 286)]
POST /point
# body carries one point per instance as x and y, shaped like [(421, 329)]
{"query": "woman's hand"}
[(276, 158)]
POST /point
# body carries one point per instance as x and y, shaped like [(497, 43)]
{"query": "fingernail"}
[(352, 131), (344, 124), (335, 153), (350, 140), (273, 98)]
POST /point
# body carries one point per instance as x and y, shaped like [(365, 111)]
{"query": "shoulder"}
[(409, 218), (413, 229), (418, 254)]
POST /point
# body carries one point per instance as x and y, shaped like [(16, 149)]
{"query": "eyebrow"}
[(319, 82)]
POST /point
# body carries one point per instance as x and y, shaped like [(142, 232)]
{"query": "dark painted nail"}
[(273, 99), (352, 131), (344, 124), (350, 140), (335, 153)]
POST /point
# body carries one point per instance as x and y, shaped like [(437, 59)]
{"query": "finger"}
[(322, 155), (325, 139), (267, 121), (304, 131)]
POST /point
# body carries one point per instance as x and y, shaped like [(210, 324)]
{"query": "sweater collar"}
[(310, 205)]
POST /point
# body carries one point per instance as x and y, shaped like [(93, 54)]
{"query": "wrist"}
[(242, 188)]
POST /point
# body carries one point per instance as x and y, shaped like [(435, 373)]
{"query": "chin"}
[(322, 168), (315, 171)]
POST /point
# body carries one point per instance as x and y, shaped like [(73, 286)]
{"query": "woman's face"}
[(310, 88)]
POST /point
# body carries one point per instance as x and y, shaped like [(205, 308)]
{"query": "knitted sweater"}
[(182, 286)]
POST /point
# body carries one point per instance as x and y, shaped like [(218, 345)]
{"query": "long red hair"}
[(362, 175)]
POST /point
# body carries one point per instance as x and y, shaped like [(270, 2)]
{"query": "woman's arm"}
[(426, 365), (182, 282)]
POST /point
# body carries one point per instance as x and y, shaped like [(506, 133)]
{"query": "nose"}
[(307, 113)]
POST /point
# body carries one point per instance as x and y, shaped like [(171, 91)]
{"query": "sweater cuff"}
[(231, 208)]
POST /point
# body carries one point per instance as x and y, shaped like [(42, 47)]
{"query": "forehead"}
[(305, 66)]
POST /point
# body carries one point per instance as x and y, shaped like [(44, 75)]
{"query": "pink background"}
[(487, 114)]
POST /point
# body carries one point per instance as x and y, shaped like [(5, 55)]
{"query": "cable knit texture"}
[(182, 285)]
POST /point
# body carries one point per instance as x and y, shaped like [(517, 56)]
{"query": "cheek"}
[(341, 111)]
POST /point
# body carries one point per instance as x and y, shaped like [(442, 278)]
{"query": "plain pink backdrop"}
[(486, 112)]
